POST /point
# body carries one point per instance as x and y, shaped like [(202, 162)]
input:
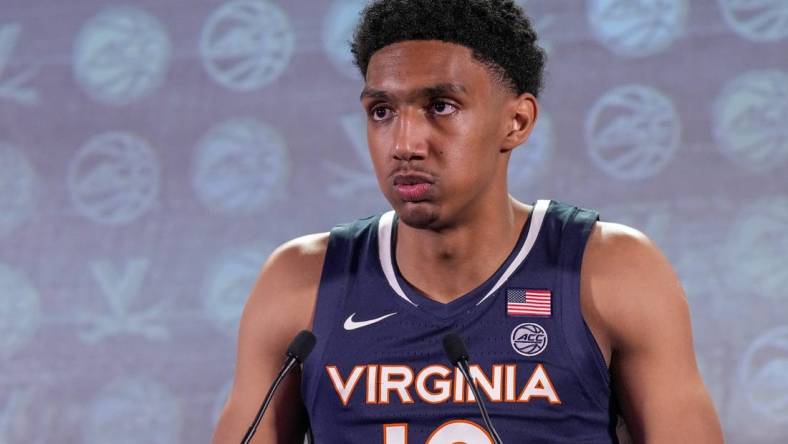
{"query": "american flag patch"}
[(526, 302)]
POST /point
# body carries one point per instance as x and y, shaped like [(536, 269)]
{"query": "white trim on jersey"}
[(384, 252), (384, 249), (537, 217)]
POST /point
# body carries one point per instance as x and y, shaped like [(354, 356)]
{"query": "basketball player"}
[(569, 320)]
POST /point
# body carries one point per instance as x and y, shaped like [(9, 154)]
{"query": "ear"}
[(522, 112)]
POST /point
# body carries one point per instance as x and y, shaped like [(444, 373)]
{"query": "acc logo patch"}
[(529, 339)]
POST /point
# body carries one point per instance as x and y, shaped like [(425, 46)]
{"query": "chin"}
[(418, 215)]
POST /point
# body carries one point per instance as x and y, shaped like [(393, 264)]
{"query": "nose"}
[(410, 136)]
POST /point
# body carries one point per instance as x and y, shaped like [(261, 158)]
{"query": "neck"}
[(467, 253)]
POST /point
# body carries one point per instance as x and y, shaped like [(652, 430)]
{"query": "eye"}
[(442, 108), (379, 113)]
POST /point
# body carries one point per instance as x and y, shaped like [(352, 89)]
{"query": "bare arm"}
[(281, 304), (637, 310)]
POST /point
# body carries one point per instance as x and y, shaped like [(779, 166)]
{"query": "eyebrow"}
[(428, 91)]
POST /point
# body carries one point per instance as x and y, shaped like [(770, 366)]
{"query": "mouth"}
[(412, 179), (413, 187)]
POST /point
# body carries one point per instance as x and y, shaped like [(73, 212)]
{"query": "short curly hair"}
[(496, 31)]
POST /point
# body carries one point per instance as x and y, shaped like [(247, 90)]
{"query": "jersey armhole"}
[(332, 285), (582, 345)]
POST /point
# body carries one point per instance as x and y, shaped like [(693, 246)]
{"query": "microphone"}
[(458, 356), (297, 351)]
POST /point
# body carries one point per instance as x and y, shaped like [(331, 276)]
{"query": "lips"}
[(412, 187), (413, 193), (412, 179)]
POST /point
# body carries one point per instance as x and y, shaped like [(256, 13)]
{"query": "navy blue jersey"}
[(379, 373)]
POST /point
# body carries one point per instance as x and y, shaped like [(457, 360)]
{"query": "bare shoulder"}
[(634, 304), (290, 278), (282, 300), (299, 259), (611, 237), (628, 286), (280, 304)]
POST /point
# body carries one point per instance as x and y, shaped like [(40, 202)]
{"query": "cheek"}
[(465, 169), (472, 154), (374, 147), (378, 156)]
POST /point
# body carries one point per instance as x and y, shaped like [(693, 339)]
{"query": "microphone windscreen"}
[(301, 346), (455, 348)]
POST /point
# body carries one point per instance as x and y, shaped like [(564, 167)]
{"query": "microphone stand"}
[(462, 364), (289, 364), (298, 350), (457, 353)]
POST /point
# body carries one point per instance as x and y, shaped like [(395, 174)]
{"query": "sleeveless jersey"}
[(378, 373)]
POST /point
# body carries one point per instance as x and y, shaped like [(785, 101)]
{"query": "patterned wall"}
[(153, 152)]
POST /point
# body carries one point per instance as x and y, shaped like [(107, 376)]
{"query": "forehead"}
[(407, 66)]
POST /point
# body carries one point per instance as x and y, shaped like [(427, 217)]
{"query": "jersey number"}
[(458, 431)]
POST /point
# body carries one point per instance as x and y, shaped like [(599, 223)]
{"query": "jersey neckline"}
[(477, 296)]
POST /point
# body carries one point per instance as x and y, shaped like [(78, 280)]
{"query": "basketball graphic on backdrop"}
[(121, 55), (754, 251), (758, 21), (637, 28), (114, 178), (632, 132), (246, 44), (240, 166), (749, 120)]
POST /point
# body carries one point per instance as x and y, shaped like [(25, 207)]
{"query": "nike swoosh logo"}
[(350, 324)]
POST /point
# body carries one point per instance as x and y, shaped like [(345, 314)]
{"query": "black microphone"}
[(297, 351), (458, 356)]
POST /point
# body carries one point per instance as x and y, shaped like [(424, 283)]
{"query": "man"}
[(568, 320)]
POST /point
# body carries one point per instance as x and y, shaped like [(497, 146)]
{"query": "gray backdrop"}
[(153, 152)]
